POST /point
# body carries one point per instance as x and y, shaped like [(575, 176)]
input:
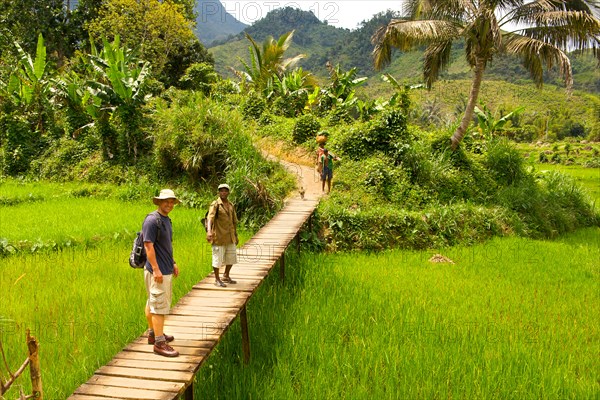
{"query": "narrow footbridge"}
[(199, 320)]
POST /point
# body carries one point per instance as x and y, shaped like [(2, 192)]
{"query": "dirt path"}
[(307, 177)]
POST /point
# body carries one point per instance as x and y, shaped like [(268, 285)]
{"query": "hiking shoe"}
[(152, 338), (163, 349)]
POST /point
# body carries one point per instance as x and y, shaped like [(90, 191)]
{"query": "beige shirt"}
[(224, 226)]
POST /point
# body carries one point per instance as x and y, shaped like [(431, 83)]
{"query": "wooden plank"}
[(204, 313), (232, 288), (206, 343), (191, 343), (88, 397), (252, 268), (206, 305), (146, 356), (213, 295), (188, 351), (192, 336), (197, 319), (161, 375), (208, 329), (222, 302), (123, 393), (198, 323), (191, 310), (142, 365), (163, 386), (255, 254)]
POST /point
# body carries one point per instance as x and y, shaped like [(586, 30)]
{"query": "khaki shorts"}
[(159, 294), (224, 255)]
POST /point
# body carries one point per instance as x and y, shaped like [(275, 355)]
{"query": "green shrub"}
[(339, 115), (19, 144), (201, 143), (505, 162), (305, 128), (388, 134), (199, 76), (58, 161), (383, 227), (290, 105), (253, 107)]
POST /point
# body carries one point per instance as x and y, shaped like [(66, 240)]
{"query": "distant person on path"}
[(160, 268), (222, 234), (318, 162), (327, 169)]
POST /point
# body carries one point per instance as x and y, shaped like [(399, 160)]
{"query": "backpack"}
[(204, 220), (138, 258)]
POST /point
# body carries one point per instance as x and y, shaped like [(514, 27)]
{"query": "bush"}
[(291, 105), (305, 128), (384, 227), (505, 162), (58, 161), (254, 106), (199, 76), (387, 134)]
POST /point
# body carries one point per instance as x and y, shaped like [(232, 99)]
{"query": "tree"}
[(24, 20), (268, 62), (61, 23), (120, 90), (551, 26), (158, 29), (25, 108)]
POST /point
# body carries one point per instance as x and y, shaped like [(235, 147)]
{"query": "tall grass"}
[(513, 318), (84, 304)]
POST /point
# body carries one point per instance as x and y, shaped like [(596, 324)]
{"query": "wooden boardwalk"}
[(199, 320)]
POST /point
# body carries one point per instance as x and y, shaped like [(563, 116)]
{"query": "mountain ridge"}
[(321, 42)]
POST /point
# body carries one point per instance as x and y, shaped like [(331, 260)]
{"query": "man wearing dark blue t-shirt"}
[(160, 268)]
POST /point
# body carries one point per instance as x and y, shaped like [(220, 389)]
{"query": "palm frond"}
[(451, 10), (437, 59), (535, 54), (405, 35)]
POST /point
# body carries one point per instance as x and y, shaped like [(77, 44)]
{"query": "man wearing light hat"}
[(160, 268), (222, 234)]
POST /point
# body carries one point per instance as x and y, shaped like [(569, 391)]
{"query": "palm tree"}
[(269, 63), (545, 29)]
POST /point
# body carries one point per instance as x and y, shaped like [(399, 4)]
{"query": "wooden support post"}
[(298, 242), (245, 335), (310, 222), (282, 267), (189, 392), (34, 367)]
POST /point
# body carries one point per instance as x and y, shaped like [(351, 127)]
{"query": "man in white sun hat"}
[(160, 268), (222, 234)]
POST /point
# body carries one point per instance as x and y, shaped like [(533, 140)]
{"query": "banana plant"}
[(28, 83), (118, 92), (489, 124), (401, 97), (121, 76)]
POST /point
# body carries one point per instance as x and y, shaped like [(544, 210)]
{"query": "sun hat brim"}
[(165, 194)]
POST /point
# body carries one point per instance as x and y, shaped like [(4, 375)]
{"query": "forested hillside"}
[(320, 43)]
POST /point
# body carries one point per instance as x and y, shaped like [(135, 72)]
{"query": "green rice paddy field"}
[(511, 318)]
